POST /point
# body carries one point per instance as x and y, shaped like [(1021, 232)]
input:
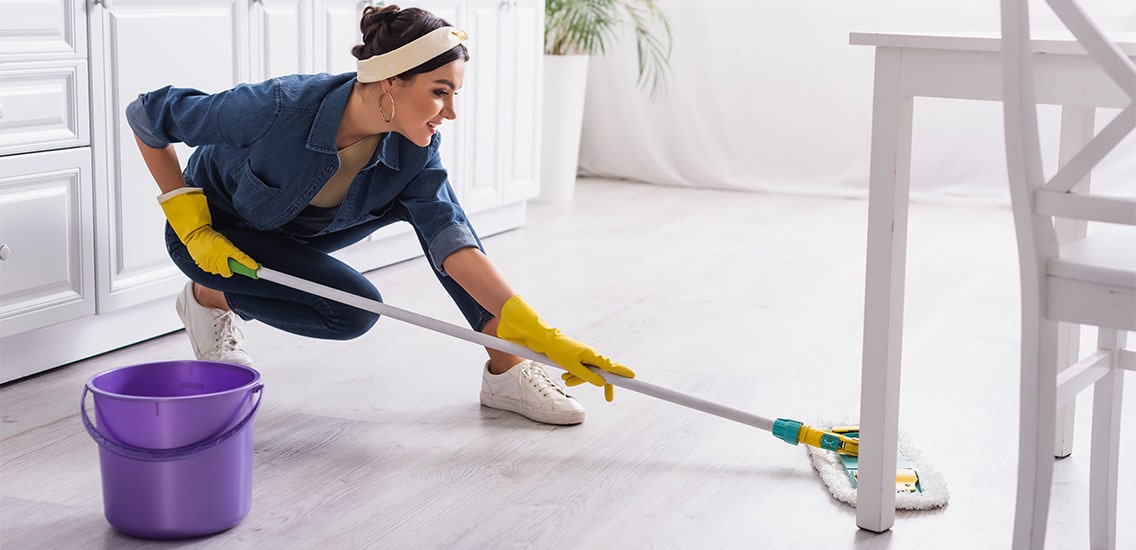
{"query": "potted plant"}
[(574, 31)]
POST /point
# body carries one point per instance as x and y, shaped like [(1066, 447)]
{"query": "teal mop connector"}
[(786, 430)]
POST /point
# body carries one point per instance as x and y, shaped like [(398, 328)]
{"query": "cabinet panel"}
[(46, 245), (40, 29), (524, 62), (336, 32), (134, 266), (43, 105), (501, 156), (482, 125), (282, 38), (449, 10)]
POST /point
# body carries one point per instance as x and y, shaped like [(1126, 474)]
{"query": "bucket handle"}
[(158, 455)]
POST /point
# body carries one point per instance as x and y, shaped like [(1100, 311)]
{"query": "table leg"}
[(889, 184), (1077, 128)]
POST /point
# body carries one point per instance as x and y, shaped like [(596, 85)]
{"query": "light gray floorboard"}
[(751, 300)]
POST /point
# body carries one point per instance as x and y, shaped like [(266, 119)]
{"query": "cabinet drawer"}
[(46, 239), (43, 106), (42, 29)]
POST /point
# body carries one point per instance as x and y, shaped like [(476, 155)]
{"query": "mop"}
[(918, 485), (835, 445)]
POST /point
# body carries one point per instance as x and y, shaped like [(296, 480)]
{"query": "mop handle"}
[(469, 335)]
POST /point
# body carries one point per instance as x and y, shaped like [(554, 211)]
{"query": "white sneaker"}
[(526, 389), (213, 333)]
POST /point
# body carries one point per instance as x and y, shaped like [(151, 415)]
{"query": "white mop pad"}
[(831, 470)]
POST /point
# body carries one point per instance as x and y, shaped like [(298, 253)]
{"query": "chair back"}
[(1036, 200)]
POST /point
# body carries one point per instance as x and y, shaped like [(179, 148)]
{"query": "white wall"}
[(770, 96)]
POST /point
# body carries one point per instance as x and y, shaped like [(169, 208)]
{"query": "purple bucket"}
[(175, 445)]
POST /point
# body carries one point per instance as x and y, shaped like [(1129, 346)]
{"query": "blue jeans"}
[(308, 258)]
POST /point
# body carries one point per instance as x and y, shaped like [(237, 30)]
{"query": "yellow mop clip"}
[(795, 432)]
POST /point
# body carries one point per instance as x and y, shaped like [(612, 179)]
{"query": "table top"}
[(1055, 42)]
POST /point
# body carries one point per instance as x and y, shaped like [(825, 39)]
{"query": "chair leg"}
[(1068, 353), (1104, 463), (1078, 126), (1036, 424)]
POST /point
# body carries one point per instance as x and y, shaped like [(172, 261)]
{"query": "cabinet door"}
[(139, 46), (44, 105), (46, 239), (483, 106), (42, 29), (501, 156), (336, 32), (282, 37), (521, 65)]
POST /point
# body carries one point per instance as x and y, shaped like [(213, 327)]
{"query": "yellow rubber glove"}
[(188, 213), (521, 325)]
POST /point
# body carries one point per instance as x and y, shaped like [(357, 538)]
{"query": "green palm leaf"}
[(586, 27)]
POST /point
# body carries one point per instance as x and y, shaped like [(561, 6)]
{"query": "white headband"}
[(417, 52)]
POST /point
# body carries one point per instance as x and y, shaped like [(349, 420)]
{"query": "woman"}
[(289, 170)]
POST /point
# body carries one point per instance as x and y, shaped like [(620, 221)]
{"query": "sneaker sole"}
[(558, 418)]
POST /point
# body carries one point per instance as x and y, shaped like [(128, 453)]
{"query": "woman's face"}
[(422, 103)]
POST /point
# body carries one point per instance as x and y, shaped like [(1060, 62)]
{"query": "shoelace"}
[(541, 381), (226, 332)]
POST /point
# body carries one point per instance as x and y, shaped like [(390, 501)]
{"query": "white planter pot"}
[(565, 84)]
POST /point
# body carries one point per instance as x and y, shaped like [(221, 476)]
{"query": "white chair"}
[(1089, 281)]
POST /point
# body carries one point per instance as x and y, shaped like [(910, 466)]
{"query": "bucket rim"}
[(253, 383)]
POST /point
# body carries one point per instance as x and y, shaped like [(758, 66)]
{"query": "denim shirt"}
[(264, 151)]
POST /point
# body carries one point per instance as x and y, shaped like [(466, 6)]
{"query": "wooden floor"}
[(751, 300)]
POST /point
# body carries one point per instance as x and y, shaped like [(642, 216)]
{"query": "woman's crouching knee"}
[(353, 324)]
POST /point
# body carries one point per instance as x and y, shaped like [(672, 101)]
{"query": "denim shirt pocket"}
[(250, 197)]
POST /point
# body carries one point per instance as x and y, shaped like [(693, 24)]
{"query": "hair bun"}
[(374, 24), (374, 16)]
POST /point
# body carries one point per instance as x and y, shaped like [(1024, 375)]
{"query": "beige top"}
[(351, 159)]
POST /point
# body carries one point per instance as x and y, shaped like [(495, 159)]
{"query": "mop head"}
[(926, 491)]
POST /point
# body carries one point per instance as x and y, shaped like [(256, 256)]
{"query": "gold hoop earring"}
[(383, 115)]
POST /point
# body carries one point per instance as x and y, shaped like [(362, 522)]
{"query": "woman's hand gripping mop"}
[(837, 445)]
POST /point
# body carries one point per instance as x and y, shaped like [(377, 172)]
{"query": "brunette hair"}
[(388, 28)]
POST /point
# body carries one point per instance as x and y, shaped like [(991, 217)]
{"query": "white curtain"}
[(770, 96)]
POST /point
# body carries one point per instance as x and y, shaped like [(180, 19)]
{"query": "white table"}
[(944, 66)]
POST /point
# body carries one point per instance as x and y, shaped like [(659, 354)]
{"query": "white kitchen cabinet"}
[(46, 245), (336, 31), (47, 255), (42, 29), (282, 36), (522, 68), (44, 105), (138, 46), (97, 276), (501, 148)]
